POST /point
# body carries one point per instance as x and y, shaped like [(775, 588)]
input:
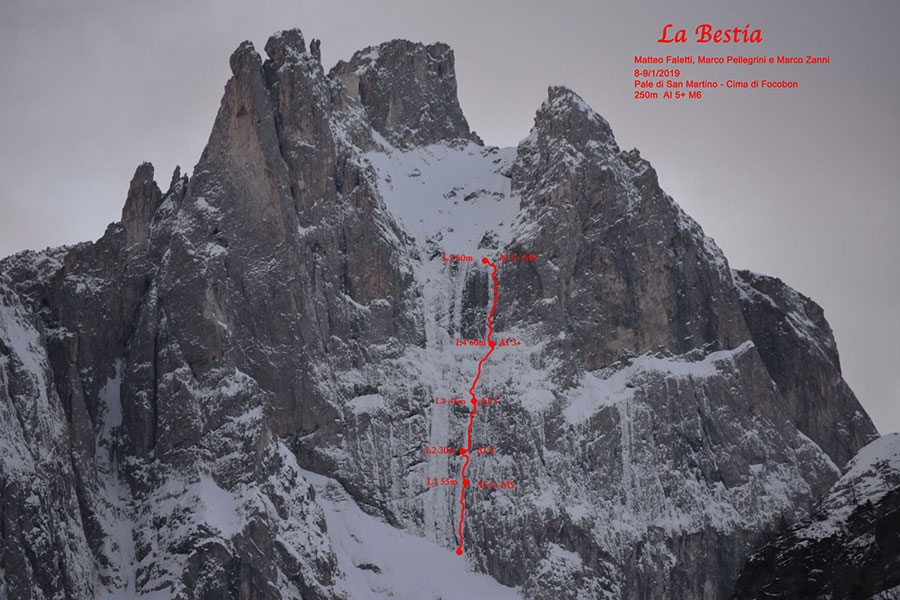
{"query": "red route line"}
[(465, 451)]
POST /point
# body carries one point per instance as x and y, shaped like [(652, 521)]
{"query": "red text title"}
[(705, 34)]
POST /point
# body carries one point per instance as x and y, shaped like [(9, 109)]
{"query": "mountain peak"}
[(564, 114), (144, 197), (284, 44), (243, 56), (408, 90)]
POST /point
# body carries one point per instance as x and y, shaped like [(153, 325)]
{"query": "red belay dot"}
[(465, 451)]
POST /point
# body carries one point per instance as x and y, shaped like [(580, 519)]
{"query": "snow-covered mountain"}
[(246, 388), (849, 547)]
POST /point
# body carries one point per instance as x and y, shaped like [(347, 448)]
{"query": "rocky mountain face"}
[(849, 547), (245, 388), (796, 344)]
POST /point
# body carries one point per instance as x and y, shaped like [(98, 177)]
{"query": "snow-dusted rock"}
[(849, 547), (230, 393)]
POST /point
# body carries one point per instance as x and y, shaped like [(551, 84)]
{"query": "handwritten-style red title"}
[(705, 34)]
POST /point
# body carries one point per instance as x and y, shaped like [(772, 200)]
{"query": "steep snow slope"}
[(379, 561), (451, 196)]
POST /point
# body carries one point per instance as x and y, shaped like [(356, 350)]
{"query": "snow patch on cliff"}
[(610, 387)]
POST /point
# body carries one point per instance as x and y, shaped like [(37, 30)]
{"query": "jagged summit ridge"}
[(408, 90), (286, 46), (565, 114)]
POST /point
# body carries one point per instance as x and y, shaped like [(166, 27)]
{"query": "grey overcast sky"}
[(801, 184)]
